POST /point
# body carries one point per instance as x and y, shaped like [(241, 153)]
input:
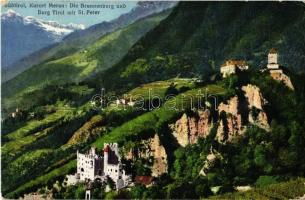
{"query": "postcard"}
[(152, 99)]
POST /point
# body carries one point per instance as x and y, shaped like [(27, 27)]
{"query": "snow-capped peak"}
[(34, 34), (53, 26), (50, 26), (11, 15)]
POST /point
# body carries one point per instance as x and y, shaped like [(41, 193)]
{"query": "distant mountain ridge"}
[(82, 38), (76, 67), (22, 36), (142, 9)]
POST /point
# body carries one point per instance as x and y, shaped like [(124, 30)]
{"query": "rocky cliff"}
[(230, 122), (255, 102), (188, 129), (151, 149), (278, 75), (232, 118)]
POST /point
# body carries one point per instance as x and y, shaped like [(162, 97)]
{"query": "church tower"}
[(272, 59)]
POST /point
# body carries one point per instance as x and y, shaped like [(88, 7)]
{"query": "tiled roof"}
[(145, 180), (273, 50), (107, 148), (235, 62)]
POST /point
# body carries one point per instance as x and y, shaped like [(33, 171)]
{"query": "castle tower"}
[(106, 156), (272, 59), (88, 165), (93, 151)]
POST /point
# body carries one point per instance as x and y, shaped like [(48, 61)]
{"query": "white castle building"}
[(91, 166)]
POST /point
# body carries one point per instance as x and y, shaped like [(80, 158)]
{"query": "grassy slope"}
[(150, 121), (159, 88), (33, 130), (20, 154), (133, 128), (74, 68)]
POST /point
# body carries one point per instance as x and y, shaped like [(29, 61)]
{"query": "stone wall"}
[(279, 75)]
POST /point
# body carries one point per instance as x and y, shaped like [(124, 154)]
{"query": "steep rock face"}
[(233, 117), (181, 130), (235, 113), (204, 123), (254, 96), (151, 149), (256, 102), (187, 130), (230, 107), (230, 124), (261, 120), (278, 75), (160, 157)]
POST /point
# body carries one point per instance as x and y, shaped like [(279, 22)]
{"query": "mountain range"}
[(82, 37), (22, 36)]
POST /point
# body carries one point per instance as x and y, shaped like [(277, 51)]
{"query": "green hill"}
[(263, 154), (46, 143), (76, 67)]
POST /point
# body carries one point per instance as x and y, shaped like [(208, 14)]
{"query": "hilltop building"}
[(232, 66), (273, 67), (128, 102), (91, 167), (272, 60), (275, 71)]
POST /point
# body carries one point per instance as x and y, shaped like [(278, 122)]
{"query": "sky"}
[(105, 14)]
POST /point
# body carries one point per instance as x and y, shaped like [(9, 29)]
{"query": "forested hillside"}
[(208, 33)]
